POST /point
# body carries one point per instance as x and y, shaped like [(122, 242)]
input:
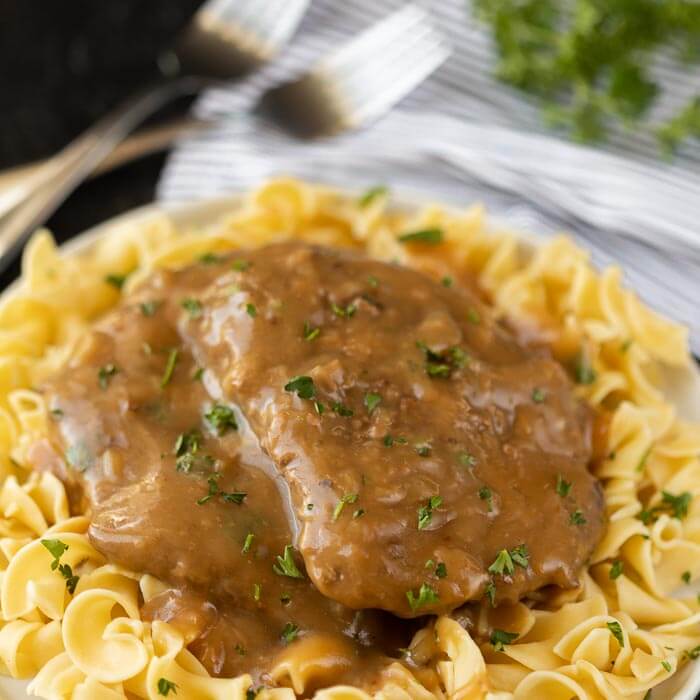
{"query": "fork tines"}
[(363, 79)]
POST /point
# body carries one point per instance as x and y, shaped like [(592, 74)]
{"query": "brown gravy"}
[(385, 426)]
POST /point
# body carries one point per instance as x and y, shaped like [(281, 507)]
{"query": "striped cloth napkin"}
[(462, 136)]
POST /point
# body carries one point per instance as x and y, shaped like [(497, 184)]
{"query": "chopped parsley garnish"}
[(459, 357), (117, 281), (425, 513), (441, 364), (503, 564), (188, 442), (643, 459), (441, 570), (371, 194), (372, 401), (491, 593), (192, 306), (290, 632), (390, 440), (678, 504), (165, 686), (685, 577), (474, 317), (56, 413), (310, 332), (466, 459), (251, 310), (285, 599), (169, 367), (358, 513), (616, 569), (209, 258), (149, 308), (198, 374), (372, 281), (426, 595), (257, 592), (616, 631), (537, 395), (431, 236), (347, 498), (57, 549), (240, 649), (423, 449), (499, 639), (692, 653), (563, 487), (105, 374), (319, 408), (577, 518), (666, 666), (343, 311), (520, 556), (236, 497), (221, 419), (486, 495), (446, 281), (240, 265), (248, 543), (584, 373), (286, 566), (302, 386), (342, 410), (194, 462)]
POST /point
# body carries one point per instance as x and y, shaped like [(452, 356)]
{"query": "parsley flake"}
[(165, 686), (372, 401), (430, 236), (538, 395), (251, 310), (286, 566), (371, 194), (240, 265), (342, 410), (577, 518), (616, 631), (149, 308), (173, 356), (310, 333), (248, 543), (57, 549), (466, 459), (499, 639), (502, 564), (563, 487), (685, 577), (290, 632), (441, 570), (347, 498), (447, 281), (192, 306), (302, 386), (425, 513), (221, 418), (117, 281), (343, 311), (105, 374), (616, 569), (486, 495), (426, 595)]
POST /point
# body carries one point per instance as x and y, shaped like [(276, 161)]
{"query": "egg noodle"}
[(616, 636)]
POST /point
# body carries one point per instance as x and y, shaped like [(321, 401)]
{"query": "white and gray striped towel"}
[(461, 137)]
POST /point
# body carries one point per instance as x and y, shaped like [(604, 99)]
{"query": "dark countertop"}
[(64, 64)]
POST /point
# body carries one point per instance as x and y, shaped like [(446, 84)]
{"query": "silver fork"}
[(348, 88), (224, 39)]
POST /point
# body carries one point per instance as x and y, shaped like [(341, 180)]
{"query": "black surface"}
[(64, 64)]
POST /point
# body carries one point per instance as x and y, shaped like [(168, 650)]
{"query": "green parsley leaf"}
[(221, 419), (257, 592), (371, 194), (441, 570), (474, 317), (616, 569), (372, 401), (56, 549), (486, 495), (563, 487), (466, 459), (209, 258), (491, 593), (372, 281), (117, 281), (290, 632), (423, 449), (240, 650), (520, 556), (302, 386), (149, 308), (347, 498), (425, 513), (577, 518), (616, 631), (248, 543), (286, 566), (538, 395), (426, 595), (430, 236), (502, 564), (678, 504), (499, 639), (192, 306), (165, 686), (446, 281), (343, 311), (310, 333), (56, 413), (189, 441), (342, 410), (240, 265), (584, 373), (173, 356), (198, 374), (685, 577), (666, 665), (358, 513), (105, 374), (251, 310)]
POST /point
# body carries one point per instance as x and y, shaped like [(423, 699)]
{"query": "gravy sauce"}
[(305, 443)]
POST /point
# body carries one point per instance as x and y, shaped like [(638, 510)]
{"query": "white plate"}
[(683, 385)]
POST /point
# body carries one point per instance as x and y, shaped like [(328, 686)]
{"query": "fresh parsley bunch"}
[(588, 60)]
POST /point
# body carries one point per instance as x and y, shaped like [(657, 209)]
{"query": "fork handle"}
[(53, 181)]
